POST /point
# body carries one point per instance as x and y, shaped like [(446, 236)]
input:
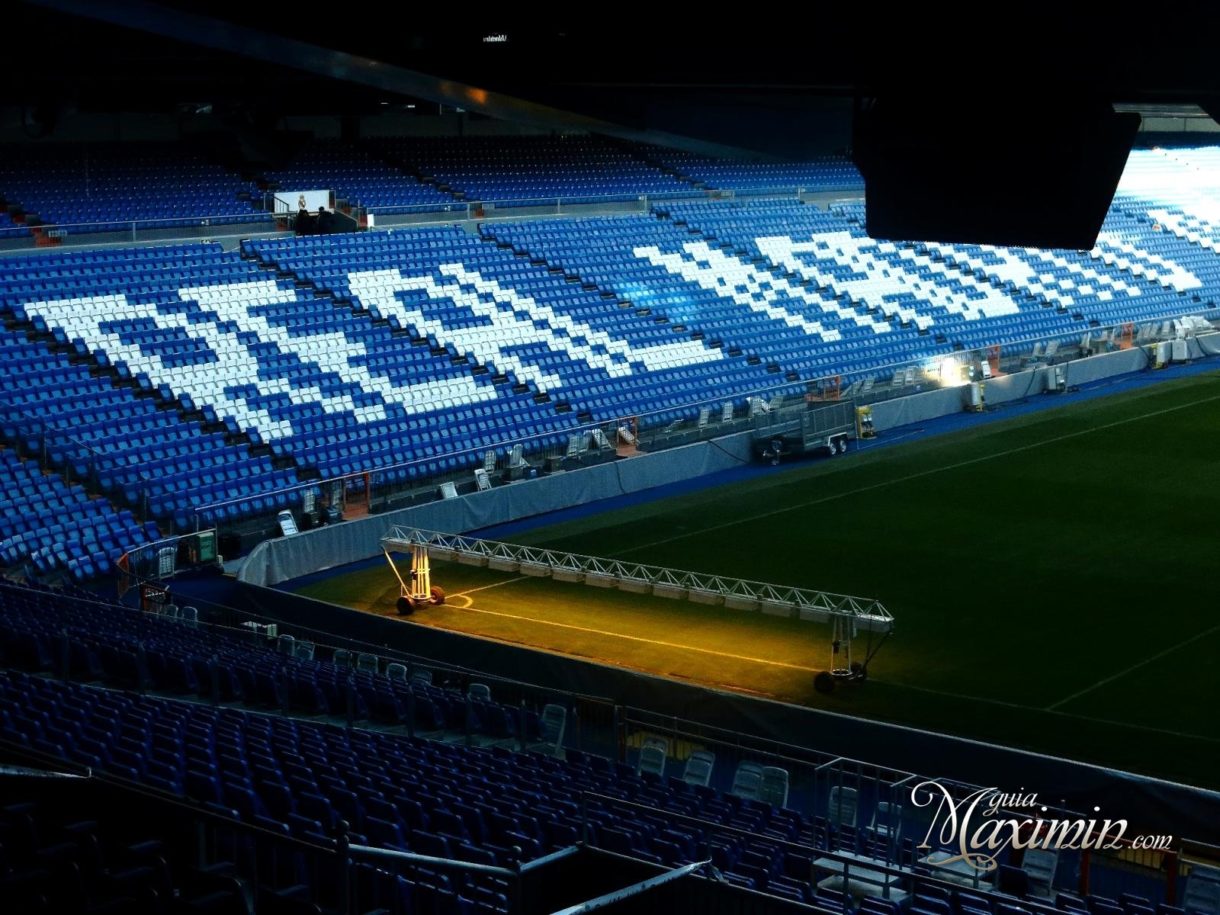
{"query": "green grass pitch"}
[(1053, 579)]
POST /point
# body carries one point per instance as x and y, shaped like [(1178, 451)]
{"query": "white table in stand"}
[(957, 870), (862, 878)]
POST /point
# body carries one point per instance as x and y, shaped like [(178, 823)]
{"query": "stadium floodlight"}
[(848, 616), (950, 372)]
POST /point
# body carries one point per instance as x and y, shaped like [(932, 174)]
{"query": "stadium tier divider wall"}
[(278, 560), (386, 489)]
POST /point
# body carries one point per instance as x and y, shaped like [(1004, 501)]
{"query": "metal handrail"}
[(415, 858)]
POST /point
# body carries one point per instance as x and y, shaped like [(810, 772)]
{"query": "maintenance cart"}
[(807, 428)]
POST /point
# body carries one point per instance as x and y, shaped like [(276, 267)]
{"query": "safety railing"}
[(53, 235), (50, 235), (490, 207)]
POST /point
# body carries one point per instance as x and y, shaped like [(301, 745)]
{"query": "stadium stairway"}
[(646, 154)]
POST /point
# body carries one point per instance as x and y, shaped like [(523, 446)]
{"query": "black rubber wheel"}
[(842, 446), (824, 682), (438, 594), (859, 671), (406, 606)]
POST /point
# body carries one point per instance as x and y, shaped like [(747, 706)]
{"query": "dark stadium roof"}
[(618, 67), (1009, 109)]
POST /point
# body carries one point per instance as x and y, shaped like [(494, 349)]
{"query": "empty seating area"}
[(823, 173), (193, 385), (1173, 175), (69, 852), (970, 295), (355, 176), (302, 778), (548, 334), (88, 683), (8, 228), (140, 451), (733, 304), (175, 654), (55, 526), (107, 187), (573, 168), (116, 420)]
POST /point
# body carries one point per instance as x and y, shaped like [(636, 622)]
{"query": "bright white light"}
[(951, 373)]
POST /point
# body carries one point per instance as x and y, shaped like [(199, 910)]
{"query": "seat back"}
[(1202, 890), (843, 805), (747, 781), (887, 820), (773, 789), (1040, 865), (698, 769), (652, 756), (554, 721)]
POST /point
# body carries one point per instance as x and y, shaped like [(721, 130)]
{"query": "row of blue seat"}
[(304, 778)]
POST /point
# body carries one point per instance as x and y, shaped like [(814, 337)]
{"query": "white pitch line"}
[(637, 638), (911, 476), (951, 695), (1049, 710), (497, 584), (1134, 667)]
